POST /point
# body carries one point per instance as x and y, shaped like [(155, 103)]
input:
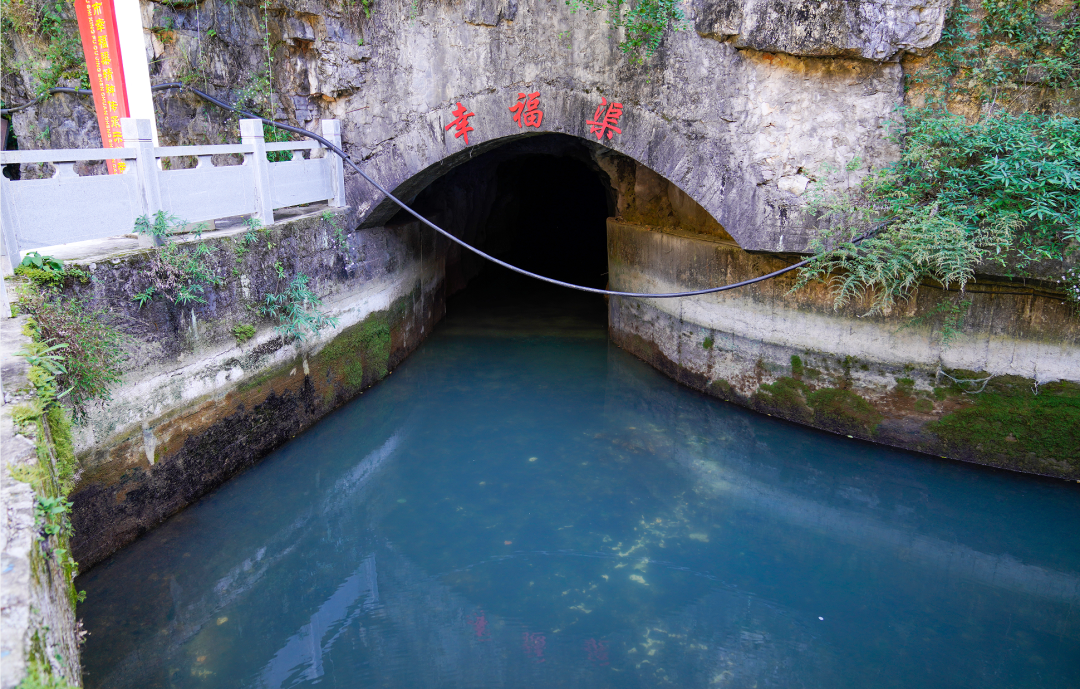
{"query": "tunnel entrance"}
[(539, 202)]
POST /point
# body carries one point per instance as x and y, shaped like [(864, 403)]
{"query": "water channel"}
[(523, 504)]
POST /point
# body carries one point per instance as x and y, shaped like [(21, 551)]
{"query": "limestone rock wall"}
[(868, 30)]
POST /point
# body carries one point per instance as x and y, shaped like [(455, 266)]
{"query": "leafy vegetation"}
[(180, 274), (48, 272), (296, 310), (1005, 189), (79, 347), (60, 54), (643, 21), (1005, 57), (334, 221), (243, 332), (999, 185)]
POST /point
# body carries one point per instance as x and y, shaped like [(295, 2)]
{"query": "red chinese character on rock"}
[(611, 118), (527, 110), (461, 123)]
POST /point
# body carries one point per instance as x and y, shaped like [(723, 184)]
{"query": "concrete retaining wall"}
[(879, 377)]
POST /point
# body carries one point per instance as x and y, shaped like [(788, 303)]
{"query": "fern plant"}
[(1004, 189), (296, 310)]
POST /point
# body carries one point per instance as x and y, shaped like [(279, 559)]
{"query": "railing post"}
[(139, 134), (8, 221), (251, 132), (331, 130), (9, 242)]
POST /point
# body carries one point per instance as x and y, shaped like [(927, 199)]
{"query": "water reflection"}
[(521, 504)]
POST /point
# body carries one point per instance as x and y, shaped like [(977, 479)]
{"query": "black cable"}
[(311, 135), (344, 157), (68, 89), (668, 295)]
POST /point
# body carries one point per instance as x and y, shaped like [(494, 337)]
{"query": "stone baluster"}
[(331, 130), (251, 132)]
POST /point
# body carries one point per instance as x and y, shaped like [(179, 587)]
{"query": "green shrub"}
[(243, 332), (296, 310), (644, 22), (88, 348)]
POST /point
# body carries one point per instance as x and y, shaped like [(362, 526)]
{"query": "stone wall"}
[(198, 405), (37, 613), (890, 379)]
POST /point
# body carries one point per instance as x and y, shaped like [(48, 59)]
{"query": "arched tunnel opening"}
[(537, 202)]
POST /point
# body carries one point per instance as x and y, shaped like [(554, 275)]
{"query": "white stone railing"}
[(71, 208)]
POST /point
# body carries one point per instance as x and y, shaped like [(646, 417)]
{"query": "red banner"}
[(101, 46)]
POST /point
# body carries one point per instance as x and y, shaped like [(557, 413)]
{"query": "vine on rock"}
[(644, 22)]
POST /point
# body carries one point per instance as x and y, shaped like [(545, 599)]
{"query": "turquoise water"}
[(523, 504)]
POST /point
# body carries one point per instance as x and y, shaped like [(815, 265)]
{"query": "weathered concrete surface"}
[(739, 345), (196, 407), (37, 618)]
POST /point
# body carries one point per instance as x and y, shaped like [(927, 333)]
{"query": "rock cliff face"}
[(870, 30), (740, 110)]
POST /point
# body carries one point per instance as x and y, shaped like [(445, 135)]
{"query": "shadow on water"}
[(523, 504)]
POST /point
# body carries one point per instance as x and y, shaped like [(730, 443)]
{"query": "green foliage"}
[(242, 244), (1007, 56), (82, 349), (707, 343), (296, 310), (243, 332), (48, 272), (180, 274), (334, 221), (274, 135), (1002, 186), (1005, 188), (644, 22), (37, 354), (45, 263), (57, 54), (39, 675)]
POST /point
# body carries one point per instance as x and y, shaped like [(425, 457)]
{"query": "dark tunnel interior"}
[(540, 203)]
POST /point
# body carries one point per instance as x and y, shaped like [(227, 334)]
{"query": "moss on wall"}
[(786, 397), (843, 411), (1020, 429), (362, 347), (836, 409)]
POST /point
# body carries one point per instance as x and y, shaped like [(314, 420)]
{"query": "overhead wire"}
[(582, 288), (337, 151)]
